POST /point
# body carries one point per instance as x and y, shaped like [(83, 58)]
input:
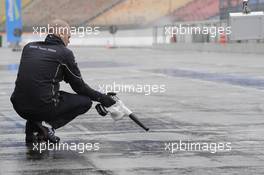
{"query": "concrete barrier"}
[(251, 48)]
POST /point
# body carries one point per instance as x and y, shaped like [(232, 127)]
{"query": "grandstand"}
[(41, 12), (196, 11), (113, 12), (96, 12), (138, 12), (124, 12)]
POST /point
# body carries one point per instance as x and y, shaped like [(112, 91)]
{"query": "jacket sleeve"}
[(72, 75)]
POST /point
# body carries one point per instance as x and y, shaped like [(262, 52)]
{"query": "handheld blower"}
[(118, 111)]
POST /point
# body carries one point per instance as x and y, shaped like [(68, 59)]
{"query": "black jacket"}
[(42, 67)]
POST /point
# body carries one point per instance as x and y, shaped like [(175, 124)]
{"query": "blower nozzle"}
[(118, 111)]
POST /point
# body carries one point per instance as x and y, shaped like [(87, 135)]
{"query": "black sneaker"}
[(31, 131), (47, 132)]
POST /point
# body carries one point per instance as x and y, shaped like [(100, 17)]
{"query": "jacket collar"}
[(54, 40)]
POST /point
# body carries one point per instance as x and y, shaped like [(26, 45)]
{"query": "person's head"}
[(61, 29)]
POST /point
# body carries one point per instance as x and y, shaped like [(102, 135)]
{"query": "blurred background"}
[(135, 22)]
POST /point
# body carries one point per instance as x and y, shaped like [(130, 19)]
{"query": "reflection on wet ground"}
[(239, 80), (82, 64)]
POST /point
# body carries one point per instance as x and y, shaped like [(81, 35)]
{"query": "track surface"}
[(209, 98)]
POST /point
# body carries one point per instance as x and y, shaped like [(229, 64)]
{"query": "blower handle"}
[(132, 116)]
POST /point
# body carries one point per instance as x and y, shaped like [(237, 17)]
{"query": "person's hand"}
[(107, 100)]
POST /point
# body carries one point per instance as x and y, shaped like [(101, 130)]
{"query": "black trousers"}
[(69, 107)]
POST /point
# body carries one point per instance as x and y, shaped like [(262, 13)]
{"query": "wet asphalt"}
[(210, 98)]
